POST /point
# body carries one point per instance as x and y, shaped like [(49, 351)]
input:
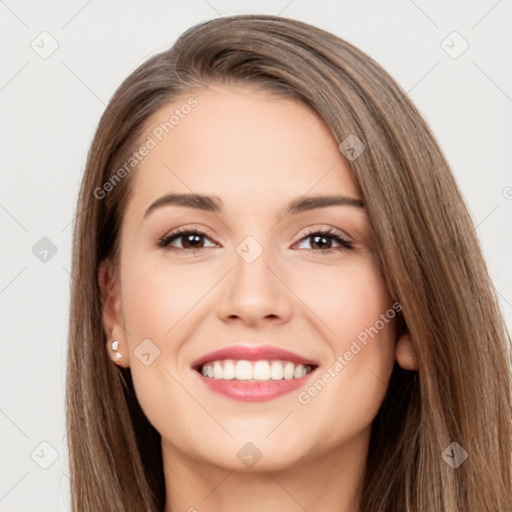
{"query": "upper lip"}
[(252, 353)]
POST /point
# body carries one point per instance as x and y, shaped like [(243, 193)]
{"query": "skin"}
[(256, 152)]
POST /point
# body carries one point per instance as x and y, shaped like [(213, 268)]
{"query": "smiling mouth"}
[(254, 371)]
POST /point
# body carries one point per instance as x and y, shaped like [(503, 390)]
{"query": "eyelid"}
[(315, 228)]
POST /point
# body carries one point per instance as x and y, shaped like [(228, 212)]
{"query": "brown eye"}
[(191, 239), (325, 239)]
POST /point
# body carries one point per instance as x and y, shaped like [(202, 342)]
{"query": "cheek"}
[(356, 322), (361, 336), (345, 298), (157, 296), (364, 325), (366, 299), (155, 303)]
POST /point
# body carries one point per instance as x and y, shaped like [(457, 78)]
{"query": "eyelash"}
[(164, 242)]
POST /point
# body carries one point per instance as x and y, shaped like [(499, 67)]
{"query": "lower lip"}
[(254, 391)]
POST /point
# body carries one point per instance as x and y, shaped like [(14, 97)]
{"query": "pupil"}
[(194, 238), (318, 237)]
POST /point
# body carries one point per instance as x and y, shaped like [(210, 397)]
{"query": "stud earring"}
[(115, 346)]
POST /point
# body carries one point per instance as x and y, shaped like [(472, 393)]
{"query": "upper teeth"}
[(254, 370)]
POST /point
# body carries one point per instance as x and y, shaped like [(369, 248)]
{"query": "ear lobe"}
[(112, 314), (405, 354)]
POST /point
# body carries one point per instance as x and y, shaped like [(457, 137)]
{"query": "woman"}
[(223, 353)]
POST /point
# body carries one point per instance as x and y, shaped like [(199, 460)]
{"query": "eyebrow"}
[(214, 204)]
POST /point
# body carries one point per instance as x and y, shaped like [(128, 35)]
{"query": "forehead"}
[(242, 144)]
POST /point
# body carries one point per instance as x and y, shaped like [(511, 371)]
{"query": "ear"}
[(112, 314), (405, 355)]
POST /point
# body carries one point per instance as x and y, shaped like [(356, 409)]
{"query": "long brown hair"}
[(427, 248)]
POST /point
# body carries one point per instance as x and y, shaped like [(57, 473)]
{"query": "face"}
[(249, 271)]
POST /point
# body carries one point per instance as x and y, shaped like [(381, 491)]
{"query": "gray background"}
[(50, 106)]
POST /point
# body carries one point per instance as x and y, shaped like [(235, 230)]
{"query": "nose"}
[(255, 292)]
